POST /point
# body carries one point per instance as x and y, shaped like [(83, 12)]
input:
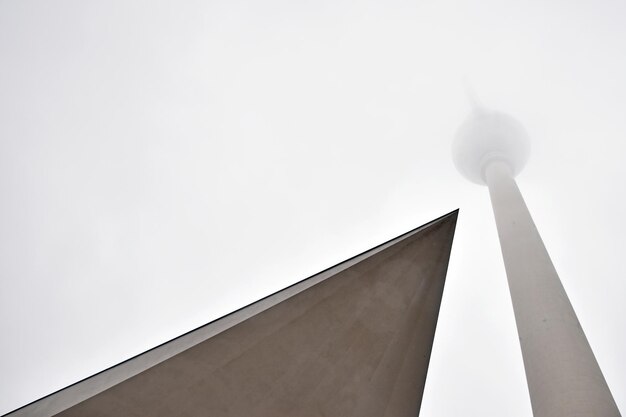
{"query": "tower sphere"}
[(488, 136)]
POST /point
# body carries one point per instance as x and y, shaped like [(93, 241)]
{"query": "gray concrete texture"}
[(87, 388), (355, 344), (563, 376)]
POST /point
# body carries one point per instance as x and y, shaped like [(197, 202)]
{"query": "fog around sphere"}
[(488, 136)]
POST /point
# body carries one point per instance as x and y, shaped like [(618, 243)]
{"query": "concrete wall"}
[(356, 343)]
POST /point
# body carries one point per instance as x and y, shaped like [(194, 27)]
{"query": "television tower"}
[(563, 376)]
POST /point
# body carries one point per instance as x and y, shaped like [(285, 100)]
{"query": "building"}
[(353, 340)]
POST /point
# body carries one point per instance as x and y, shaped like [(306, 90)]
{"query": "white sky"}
[(163, 163)]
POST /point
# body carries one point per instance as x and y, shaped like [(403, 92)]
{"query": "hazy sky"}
[(163, 163)]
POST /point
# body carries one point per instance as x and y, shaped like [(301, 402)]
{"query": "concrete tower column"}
[(563, 376)]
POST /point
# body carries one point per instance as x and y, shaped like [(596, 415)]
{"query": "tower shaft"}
[(563, 376)]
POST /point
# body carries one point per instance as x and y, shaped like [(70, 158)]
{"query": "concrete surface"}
[(563, 376), (352, 340)]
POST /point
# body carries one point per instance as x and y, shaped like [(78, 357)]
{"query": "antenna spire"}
[(475, 103)]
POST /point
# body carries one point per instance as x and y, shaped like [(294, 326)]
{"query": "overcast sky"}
[(163, 163)]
